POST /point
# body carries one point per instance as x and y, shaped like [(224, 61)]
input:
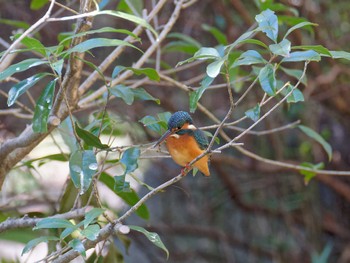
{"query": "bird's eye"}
[(179, 127)]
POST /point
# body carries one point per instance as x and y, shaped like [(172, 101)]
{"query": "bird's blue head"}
[(176, 122), (178, 119)]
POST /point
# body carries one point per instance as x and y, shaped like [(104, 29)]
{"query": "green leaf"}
[(15, 23), (94, 67), (21, 66), (152, 123), (281, 49), (267, 79), (309, 55), (253, 113), (57, 66), (92, 215), (213, 69), (268, 23), (21, 87), (314, 135), (204, 53), (123, 92), (78, 246), (302, 24), (242, 39), (131, 198), (255, 42), (340, 54), (129, 95), (53, 223), (296, 73), (121, 185), (34, 242), (249, 57), (129, 159), (91, 232), (142, 94), (82, 166), (43, 108), (100, 30), (151, 73), (197, 94), (318, 48), (153, 237), (89, 138), (98, 42), (296, 95), (32, 44), (37, 4), (308, 175), (217, 34), (132, 18), (186, 39)]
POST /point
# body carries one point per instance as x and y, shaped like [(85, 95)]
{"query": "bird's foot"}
[(185, 170)]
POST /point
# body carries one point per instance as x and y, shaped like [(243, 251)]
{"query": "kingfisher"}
[(185, 142)]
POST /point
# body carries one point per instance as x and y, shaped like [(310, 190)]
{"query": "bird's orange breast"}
[(184, 148)]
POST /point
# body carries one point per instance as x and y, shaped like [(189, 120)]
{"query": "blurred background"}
[(247, 211)]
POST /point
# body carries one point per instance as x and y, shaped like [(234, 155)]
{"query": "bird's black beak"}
[(163, 138)]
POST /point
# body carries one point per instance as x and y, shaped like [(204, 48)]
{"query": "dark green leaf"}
[(218, 35), (31, 244), (141, 94), (318, 48), (91, 232), (151, 73), (131, 198), (21, 87), (248, 58), (302, 24), (314, 135), (78, 246), (89, 138), (281, 49), (92, 215), (98, 42), (253, 113), (309, 55), (267, 79), (43, 108), (21, 66), (197, 94), (153, 237), (37, 4), (82, 166), (179, 46), (53, 223), (152, 123), (268, 23)]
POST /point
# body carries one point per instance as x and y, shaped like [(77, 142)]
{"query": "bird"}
[(185, 142)]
